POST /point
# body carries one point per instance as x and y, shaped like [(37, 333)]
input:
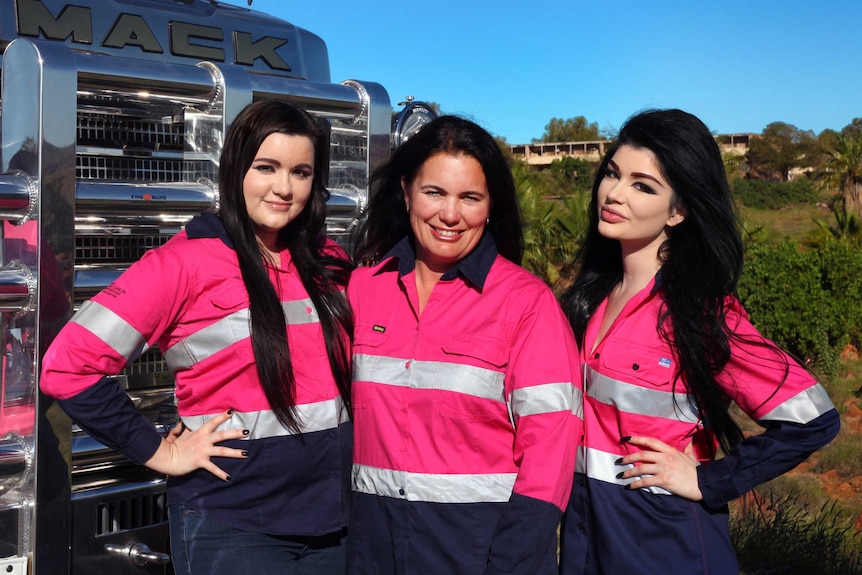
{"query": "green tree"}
[(843, 170), (572, 174), (780, 148), (576, 129)]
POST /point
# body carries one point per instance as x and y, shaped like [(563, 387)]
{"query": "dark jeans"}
[(202, 546)]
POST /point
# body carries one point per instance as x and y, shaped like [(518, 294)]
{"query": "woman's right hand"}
[(184, 451)]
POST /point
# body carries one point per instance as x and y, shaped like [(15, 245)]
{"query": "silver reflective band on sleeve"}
[(803, 407), (434, 487), (318, 416), (227, 331), (601, 466), (475, 381), (545, 398), (639, 400), (110, 328)]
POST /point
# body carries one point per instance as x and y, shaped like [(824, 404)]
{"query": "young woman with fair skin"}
[(248, 308), (665, 347), (463, 371)]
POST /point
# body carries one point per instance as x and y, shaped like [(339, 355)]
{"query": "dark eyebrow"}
[(641, 175), (647, 177)]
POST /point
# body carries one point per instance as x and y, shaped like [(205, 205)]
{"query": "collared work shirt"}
[(188, 298), (466, 419), (629, 390)]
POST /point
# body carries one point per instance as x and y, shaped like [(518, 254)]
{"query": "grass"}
[(775, 535), (793, 223)]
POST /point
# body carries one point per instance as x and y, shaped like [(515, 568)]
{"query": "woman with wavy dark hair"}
[(248, 308), (665, 347), (463, 371)]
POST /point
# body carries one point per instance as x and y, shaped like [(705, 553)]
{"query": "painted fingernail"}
[(245, 432), (628, 486), (619, 461), (620, 474), (626, 438), (245, 453), (230, 412), (227, 478)]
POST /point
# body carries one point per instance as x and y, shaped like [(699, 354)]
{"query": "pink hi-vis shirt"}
[(629, 390), (466, 418), (188, 299)]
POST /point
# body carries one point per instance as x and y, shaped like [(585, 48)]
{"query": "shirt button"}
[(595, 356), (308, 310), (580, 526), (636, 367), (407, 365), (401, 491)]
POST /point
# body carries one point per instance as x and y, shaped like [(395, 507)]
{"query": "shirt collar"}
[(208, 225), (474, 267)]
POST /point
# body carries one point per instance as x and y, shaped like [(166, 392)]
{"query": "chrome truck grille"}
[(104, 158)]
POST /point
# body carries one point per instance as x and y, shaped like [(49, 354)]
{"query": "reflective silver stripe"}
[(475, 381), (640, 400), (227, 331), (545, 398), (318, 416), (601, 465), (111, 329), (802, 407), (578, 403), (434, 487)]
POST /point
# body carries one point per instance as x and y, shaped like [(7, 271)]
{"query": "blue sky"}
[(513, 65)]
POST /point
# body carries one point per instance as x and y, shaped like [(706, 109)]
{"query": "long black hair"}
[(701, 259), (323, 275), (387, 220)]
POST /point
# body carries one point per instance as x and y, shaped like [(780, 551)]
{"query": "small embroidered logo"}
[(664, 361), (379, 328)]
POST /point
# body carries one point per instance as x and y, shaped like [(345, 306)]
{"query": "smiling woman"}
[(234, 302), (463, 375), (278, 185)]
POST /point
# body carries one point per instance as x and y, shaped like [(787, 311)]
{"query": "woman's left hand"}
[(661, 465)]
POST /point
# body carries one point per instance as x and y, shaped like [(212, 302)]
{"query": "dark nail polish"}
[(626, 438), (627, 487), (227, 478), (245, 453), (619, 461), (245, 432), (620, 474), (230, 412)]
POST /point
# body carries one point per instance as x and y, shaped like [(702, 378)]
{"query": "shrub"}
[(807, 300), (774, 195)]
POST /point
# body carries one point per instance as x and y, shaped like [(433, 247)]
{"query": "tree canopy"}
[(576, 129)]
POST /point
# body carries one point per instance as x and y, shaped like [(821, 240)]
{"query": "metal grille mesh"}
[(114, 249), (121, 132), (129, 168), (131, 513)]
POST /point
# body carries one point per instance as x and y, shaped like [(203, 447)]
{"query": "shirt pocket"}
[(651, 366), (368, 337), (367, 341), (479, 394), (481, 351), (227, 298)]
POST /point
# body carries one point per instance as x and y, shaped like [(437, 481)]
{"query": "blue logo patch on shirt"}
[(664, 361)]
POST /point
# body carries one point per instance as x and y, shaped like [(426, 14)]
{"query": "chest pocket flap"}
[(487, 350), (653, 365)]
